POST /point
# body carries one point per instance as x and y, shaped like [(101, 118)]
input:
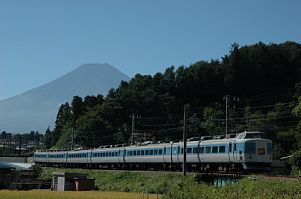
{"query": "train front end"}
[(258, 152)]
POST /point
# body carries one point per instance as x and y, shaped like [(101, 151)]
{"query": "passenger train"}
[(245, 151)]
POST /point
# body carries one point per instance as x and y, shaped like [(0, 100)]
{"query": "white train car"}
[(78, 157), (40, 157), (57, 157), (107, 155), (152, 153)]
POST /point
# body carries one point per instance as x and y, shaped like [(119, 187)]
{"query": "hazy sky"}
[(41, 40)]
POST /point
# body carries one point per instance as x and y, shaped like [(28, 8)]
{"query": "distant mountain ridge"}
[(36, 109)]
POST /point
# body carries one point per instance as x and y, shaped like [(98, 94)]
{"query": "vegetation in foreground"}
[(173, 185), (72, 195)]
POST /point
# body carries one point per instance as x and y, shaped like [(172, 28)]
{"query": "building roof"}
[(6, 166), (16, 166)]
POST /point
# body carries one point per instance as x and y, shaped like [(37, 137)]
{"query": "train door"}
[(171, 152), (198, 152), (164, 154), (123, 155), (177, 151), (232, 151), (120, 156)]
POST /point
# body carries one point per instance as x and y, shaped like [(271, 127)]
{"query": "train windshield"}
[(253, 135)]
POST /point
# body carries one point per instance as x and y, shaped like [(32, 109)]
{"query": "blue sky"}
[(41, 40)]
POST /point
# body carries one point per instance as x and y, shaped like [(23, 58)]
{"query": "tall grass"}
[(37, 194), (174, 185)]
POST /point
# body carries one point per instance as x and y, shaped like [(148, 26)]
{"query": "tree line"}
[(264, 77)]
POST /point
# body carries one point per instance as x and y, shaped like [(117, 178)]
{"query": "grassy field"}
[(173, 185), (74, 195)]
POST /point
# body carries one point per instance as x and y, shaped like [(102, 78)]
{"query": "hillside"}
[(36, 109)]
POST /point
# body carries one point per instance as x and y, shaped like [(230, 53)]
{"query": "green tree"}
[(48, 138)]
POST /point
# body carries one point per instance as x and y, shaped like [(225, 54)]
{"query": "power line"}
[(268, 106)]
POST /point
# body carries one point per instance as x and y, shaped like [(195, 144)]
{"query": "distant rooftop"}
[(16, 166)]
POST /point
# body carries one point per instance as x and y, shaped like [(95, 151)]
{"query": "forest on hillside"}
[(262, 82)]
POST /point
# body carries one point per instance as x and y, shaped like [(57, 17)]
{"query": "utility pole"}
[(185, 144), (227, 99), (20, 145), (133, 128), (72, 138)]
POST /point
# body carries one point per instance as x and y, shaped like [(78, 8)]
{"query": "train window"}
[(222, 149), (142, 152), (195, 150), (151, 152), (214, 149), (230, 147), (188, 150), (182, 150), (146, 152), (135, 152), (208, 149), (234, 147), (160, 151), (155, 152), (178, 149), (201, 150), (164, 150), (138, 152), (269, 148), (260, 151), (174, 150), (250, 147), (252, 135)]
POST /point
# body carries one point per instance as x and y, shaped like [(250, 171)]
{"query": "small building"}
[(64, 181), (20, 176), (6, 175)]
